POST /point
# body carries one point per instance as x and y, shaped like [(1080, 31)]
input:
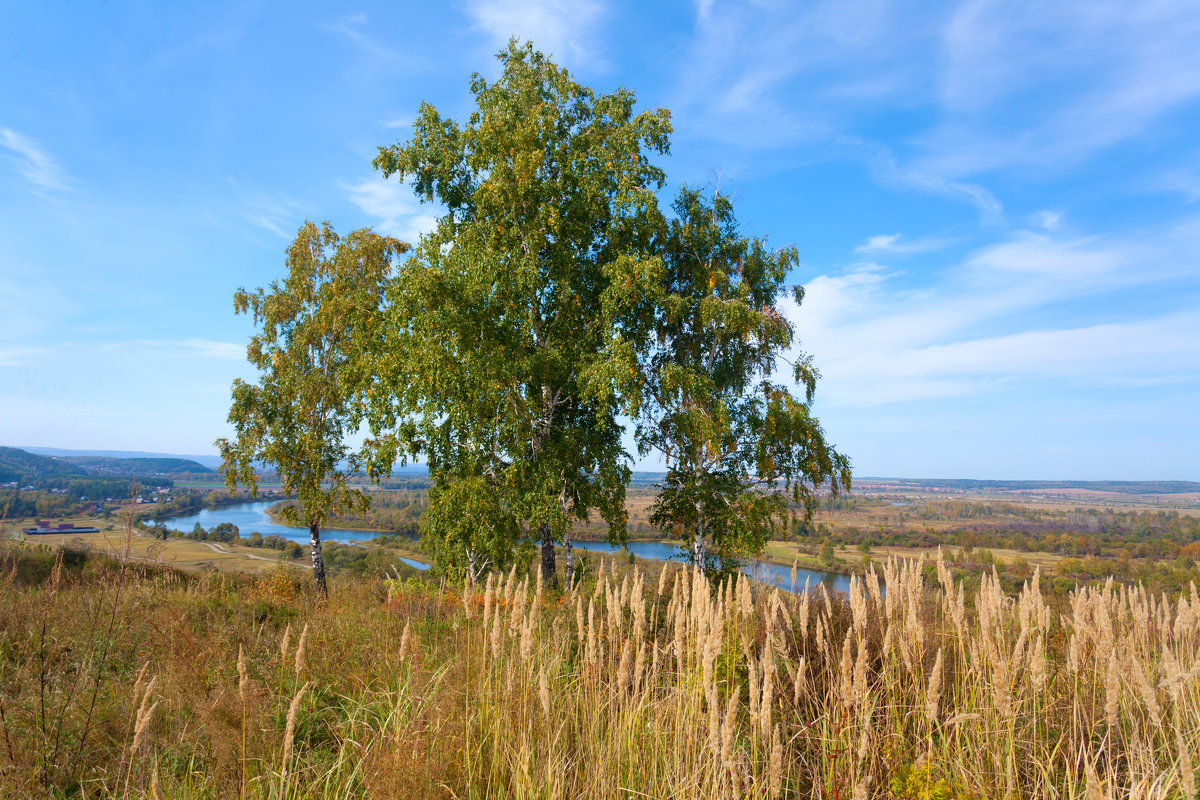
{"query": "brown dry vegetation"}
[(120, 680)]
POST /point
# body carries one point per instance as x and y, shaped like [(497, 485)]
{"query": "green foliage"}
[(468, 530), (138, 466), (18, 465), (739, 448), (552, 297), (312, 388), (60, 476), (925, 782), (507, 352)]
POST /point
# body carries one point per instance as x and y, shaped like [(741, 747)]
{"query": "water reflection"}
[(765, 571), (253, 516)]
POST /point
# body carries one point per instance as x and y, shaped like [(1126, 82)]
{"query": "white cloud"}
[(33, 163), (1050, 85), (393, 204), (1104, 351), (877, 340), (355, 27), (1048, 220), (771, 74), (267, 223), (881, 243), (565, 29), (273, 211), (894, 243), (991, 85), (228, 351), (204, 348), (890, 172)]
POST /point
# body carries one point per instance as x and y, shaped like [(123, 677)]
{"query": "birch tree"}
[(313, 380), (509, 353), (740, 449)]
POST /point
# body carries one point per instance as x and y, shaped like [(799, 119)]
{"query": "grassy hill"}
[(635, 685), (18, 465), (90, 477), (1116, 487), (138, 466)]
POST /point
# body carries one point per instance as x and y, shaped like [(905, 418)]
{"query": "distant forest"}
[(139, 466), (54, 486), (1117, 487), (50, 472)]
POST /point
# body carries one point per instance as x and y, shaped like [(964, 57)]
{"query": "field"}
[(1071, 534), (188, 555), (124, 680), (179, 553), (176, 553)]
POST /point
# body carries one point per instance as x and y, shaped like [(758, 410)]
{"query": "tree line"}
[(554, 299)]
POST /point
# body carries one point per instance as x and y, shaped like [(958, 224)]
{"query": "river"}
[(763, 571), (249, 517)]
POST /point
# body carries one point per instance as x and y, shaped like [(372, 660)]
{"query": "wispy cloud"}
[(1048, 220), (985, 87), (273, 211), (402, 121), (228, 351), (1052, 85), (881, 340), (771, 74), (203, 348), (1150, 352), (392, 203), (896, 244), (131, 350), (567, 29), (355, 28), (890, 172), (33, 163)]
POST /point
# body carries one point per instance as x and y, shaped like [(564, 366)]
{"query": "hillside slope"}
[(18, 465), (137, 466)]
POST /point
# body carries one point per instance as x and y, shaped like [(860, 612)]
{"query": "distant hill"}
[(23, 467), (1115, 487), (210, 461), (137, 466)]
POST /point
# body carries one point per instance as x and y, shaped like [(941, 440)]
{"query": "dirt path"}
[(222, 549)]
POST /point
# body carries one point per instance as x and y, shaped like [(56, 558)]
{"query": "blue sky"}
[(997, 204)]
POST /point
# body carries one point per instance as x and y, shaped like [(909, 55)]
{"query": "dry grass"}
[(785, 552), (180, 553), (116, 684)]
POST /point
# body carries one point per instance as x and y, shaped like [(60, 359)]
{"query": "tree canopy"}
[(313, 384), (507, 353), (552, 300), (740, 449)]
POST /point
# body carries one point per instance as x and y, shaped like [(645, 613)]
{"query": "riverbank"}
[(777, 557), (278, 518)]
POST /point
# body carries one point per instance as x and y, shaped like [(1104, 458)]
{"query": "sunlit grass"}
[(640, 684)]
